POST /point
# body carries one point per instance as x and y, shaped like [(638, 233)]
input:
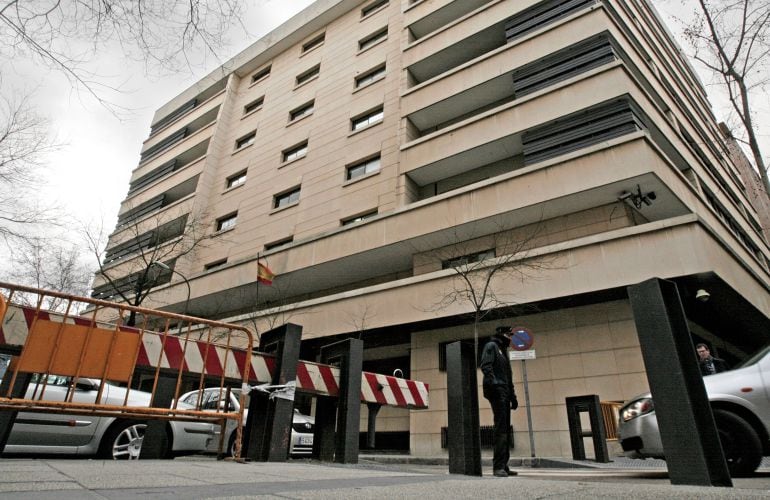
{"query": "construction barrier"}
[(168, 350), (171, 348), (91, 339)]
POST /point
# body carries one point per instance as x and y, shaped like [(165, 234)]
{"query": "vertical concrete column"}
[(348, 355), (267, 434), (463, 441), (155, 442), (687, 430), (8, 418)]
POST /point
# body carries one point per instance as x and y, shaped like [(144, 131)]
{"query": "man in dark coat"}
[(498, 389), (709, 365)]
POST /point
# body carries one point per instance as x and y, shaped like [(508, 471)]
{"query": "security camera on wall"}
[(702, 295)]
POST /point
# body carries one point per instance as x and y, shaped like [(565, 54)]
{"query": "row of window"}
[(359, 122), (291, 196), (317, 41), (263, 73), (312, 73), (229, 221), (370, 76), (353, 171)]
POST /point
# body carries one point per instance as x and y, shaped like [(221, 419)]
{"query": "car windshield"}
[(755, 358)]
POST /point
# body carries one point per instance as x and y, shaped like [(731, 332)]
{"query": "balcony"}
[(155, 149), (186, 108), (157, 203), (440, 17), (499, 133), (489, 28), (169, 167), (543, 71), (160, 234)]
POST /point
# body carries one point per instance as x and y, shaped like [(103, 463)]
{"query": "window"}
[(279, 243), (253, 105), (468, 259), (227, 222), (260, 75), (246, 140), (358, 218), (367, 119), (373, 39), (295, 152), (236, 179), (215, 264), (362, 168), (370, 76), (304, 110), (314, 43), (286, 199), (372, 7), (308, 75)]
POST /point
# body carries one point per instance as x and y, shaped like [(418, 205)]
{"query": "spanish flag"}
[(264, 274)]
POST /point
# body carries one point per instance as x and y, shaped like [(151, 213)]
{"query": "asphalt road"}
[(204, 477)]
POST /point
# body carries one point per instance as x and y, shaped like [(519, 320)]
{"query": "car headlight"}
[(637, 408)]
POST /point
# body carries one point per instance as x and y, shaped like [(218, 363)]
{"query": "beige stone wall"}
[(575, 225), (585, 350)]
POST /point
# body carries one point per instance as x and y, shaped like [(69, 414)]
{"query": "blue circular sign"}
[(521, 339)]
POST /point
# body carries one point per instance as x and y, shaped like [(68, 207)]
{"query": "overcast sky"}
[(91, 171)]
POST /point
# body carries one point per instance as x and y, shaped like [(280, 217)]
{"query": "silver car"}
[(740, 400), (105, 437), (301, 430)]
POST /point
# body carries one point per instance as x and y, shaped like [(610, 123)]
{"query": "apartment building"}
[(372, 153)]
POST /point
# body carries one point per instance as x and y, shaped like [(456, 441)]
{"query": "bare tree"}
[(66, 34), (49, 264), (485, 268), (23, 142), (360, 317), (128, 270), (731, 38)]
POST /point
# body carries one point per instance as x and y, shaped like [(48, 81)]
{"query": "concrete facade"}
[(371, 152)]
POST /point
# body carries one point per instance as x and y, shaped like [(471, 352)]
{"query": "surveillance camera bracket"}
[(638, 199)]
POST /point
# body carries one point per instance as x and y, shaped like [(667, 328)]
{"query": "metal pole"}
[(529, 410)]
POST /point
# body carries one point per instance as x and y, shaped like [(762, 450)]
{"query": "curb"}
[(533, 462)]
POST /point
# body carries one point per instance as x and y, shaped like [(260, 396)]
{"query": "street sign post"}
[(521, 338), (522, 355), (521, 343)]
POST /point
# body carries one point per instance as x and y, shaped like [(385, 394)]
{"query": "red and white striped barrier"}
[(174, 352)]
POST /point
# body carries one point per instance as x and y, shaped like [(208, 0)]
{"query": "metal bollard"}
[(592, 405)]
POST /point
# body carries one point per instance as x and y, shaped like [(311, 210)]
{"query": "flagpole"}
[(256, 301)]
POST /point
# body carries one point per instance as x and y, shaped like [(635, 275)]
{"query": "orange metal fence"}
[(118, 344), (610, 415)]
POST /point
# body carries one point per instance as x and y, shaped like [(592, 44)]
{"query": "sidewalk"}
[(204, 477), (559, 463)]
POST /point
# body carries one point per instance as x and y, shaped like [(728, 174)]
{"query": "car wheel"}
[(123, 441), (740, 443)]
